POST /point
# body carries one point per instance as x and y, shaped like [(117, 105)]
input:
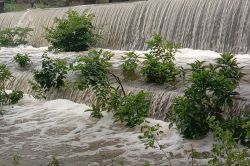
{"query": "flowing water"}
[(162, 96), (33, 131), (219, 25), (37, 130)]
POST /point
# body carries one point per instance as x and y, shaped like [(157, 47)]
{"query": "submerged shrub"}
[(212, 89), (93, 69), (133, 109), (5, 75), (94, 75), (7, 98), (239, 126), (74, 33), (159, 65), (52, 74), (15, 96), (225, 150), (54, 161), (150, 135), (110, 95), (37, 91), (130, 65), (14, 36), (22, 60)]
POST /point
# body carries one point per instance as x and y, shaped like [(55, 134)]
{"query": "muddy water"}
[(37, 130)]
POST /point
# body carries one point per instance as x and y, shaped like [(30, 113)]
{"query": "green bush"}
[(94, 75), (74, 33), (239, 126), (150, 136), (37, 91), (130, 64), (7, 98), (14, 36), (52, 74), (212, 88), (133, 109), (110, 95), (15, 96), (93, 69), (96, 111), (159, 65), (5, 75), (225, 150), (22, 60)]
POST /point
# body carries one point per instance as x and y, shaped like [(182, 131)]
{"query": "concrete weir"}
[(218, 25)]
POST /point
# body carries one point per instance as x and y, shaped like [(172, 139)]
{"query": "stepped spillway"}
[(218, 25)]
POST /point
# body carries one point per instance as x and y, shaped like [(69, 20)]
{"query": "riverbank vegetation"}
[(13, 6)]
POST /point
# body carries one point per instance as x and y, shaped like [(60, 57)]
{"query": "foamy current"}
[(37, 130)]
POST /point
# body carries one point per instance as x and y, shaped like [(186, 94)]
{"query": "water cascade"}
[(219, 25), (161, 97)]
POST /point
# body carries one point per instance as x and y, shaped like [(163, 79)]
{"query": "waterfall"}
[(219, 25), (161, 100)]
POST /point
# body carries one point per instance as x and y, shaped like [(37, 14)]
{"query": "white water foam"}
[(36, 130)]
